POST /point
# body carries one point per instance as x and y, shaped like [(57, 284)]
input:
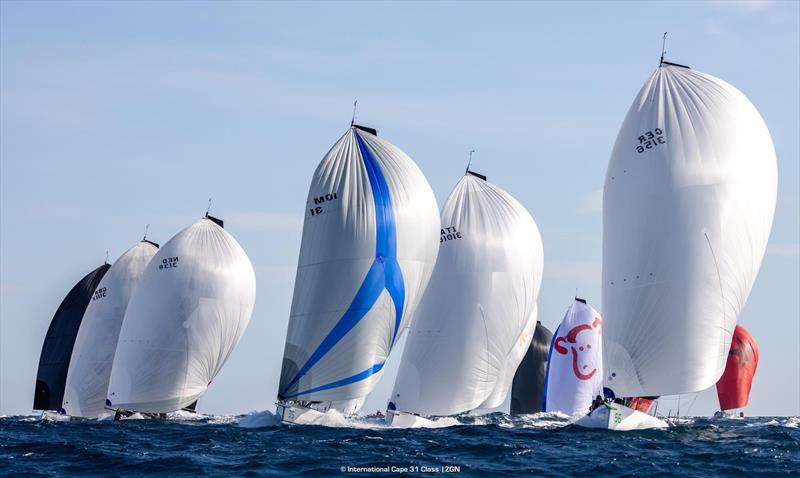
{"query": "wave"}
[(335, 419), (257, 419)]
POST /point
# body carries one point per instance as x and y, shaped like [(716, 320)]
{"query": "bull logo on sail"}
[(581, 349)]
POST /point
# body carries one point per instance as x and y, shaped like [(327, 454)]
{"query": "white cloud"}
[(592, 202), (580, 272), (273, 221), (783, 250), (750, 5), (744, 6)]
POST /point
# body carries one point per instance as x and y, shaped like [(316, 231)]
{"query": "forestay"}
[(185, 317), (687, 210), (369, 245), (478, 315), (575, 365), (93, 354)]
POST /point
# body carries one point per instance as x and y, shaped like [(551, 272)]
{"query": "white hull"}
[(620, 418), (298, 415), (405, 420), (55, 416)]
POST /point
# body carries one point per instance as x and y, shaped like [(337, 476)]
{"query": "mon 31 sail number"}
[(316, 210)]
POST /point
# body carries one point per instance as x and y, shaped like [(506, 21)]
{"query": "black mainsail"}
[(57, 348), (527, 390)]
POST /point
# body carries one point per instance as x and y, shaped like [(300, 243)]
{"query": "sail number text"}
[(168, 263), (448, 234), (650, 140), (316, 210), (99, 293)]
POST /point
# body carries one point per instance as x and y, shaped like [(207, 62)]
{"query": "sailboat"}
[(368, 249), (478, 315), (527, 388), (575, 365), (190, 308), (733, 388), (688, 205), (54, 360), (90, 366)]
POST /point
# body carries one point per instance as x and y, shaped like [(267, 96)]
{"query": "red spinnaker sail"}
[(642, 404), (733, 388)]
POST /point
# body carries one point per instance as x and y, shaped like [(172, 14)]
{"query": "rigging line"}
[(209, 207), (146, 228), (353, 120), (721, 290), (663, 48)]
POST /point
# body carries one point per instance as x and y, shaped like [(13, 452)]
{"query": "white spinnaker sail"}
[(185, 317), (687, 210), (369, 246), (93, 353), (477, 317), (575, 362)]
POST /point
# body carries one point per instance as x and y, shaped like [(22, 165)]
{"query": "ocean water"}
[(488, 445)]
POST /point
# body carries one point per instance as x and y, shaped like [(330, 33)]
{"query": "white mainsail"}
[(93, 353), (688, 205), (369, 246), (185, 317), (477, 317), (575, 362)]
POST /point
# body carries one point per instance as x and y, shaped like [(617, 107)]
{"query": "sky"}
[(115, 115)]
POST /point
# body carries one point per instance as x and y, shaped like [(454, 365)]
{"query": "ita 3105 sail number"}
[(448, 234), (317, 210)]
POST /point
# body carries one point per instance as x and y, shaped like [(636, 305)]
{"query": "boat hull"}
[(297, 415), (398, 419), (620, 418)]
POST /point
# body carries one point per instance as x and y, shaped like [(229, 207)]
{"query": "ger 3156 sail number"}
[(650, 140)]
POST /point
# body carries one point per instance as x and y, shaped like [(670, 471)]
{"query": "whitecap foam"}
[(257, 419), (135, 416), (546, 420)]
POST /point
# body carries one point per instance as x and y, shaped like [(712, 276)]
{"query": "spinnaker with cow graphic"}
[(575, 362), (96, 342), (688, 205), (478, 315), (368, 249), (191, 306)]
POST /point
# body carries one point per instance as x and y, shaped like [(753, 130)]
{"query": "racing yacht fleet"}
[(688, 203)]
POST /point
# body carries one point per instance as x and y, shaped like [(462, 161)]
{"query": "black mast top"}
[(473, 173), (664, 52)]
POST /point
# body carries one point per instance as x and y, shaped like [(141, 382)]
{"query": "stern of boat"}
[(297, 415), (395, 418), (614, 416)]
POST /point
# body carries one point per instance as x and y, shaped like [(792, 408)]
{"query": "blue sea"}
[(487, 445)]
